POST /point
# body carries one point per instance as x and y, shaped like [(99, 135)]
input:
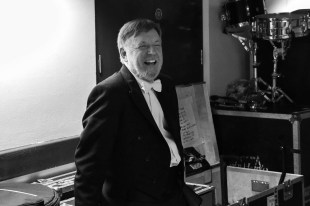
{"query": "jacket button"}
[(139, 138), (147, 159)]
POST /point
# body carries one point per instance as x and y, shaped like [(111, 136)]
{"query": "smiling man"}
[(130, 151), (142, 53)]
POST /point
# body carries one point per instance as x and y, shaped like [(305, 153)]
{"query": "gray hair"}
[(134, 28)]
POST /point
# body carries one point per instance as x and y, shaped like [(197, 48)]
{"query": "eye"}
[(145, 47), (142, 47)]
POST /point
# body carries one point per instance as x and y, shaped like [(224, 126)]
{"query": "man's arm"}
[(96, 145)]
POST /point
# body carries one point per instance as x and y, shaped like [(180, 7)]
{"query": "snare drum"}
[(275, 26), (240, 13)]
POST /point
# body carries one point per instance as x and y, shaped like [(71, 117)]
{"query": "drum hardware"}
[(239, 16), (256, 64), (272, 93), (248, 20), (279, 29), (276, 92), (242, 40), (252, 48), (255, 102), (267, 28), (240, 13)]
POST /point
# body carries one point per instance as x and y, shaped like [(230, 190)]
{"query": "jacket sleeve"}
[(93, 153)]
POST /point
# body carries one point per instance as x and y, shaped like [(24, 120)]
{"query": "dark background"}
[(181, 23)]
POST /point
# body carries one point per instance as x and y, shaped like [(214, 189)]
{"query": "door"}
[(181, 23)]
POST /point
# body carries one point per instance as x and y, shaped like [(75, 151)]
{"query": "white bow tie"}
[(156, 85)]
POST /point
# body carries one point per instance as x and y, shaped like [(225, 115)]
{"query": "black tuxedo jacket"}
[(121, 149)]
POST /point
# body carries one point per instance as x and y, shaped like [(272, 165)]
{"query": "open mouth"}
[(150, 62)]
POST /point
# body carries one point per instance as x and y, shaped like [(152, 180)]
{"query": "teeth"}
[(150, 62)]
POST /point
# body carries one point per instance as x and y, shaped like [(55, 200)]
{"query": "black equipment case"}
[(17, 194), (280, 139)]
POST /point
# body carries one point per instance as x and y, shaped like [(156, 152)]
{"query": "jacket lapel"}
[(163, 97), (168, 109), (137, 96)]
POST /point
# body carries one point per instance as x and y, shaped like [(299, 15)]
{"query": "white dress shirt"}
[(158, 115)]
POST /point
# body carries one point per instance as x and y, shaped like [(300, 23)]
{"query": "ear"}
[(122, 52)]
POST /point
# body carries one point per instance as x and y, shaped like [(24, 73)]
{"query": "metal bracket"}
[(259, 186), (276, 196), (295, 118), (288, 191), (273, 200), (242, 202)]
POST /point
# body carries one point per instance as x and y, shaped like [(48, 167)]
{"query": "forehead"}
[(145, 37)]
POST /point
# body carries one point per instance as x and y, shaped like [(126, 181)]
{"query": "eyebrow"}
[(143, 42), (157, 41)]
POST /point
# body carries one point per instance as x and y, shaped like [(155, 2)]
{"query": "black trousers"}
[(171, 195), (177, 200)]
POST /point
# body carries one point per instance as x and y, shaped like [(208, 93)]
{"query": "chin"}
[(148, 76), (153, 76)]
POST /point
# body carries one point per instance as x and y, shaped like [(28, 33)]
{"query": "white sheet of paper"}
[(197, 129), (189, 129)]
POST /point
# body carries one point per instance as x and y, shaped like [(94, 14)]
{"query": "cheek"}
[(134, 58), (139, 58), (160, 54)]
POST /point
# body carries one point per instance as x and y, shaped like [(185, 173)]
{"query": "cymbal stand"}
[(255, 75), (255, 78), (276, 92), (255, 66), (242, 40), (252, 47)]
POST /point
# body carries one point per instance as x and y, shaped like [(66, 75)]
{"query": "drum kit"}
[(248, 20)]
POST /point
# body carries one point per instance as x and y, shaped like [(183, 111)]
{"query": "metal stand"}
[(276, 92), (252, 47), (272, 93), (257, 79), (254, 100), (255, 66)]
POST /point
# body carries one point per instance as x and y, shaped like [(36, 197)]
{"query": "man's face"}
[(143, 55)]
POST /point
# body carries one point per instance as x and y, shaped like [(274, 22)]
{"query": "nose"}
[(151, 49)]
